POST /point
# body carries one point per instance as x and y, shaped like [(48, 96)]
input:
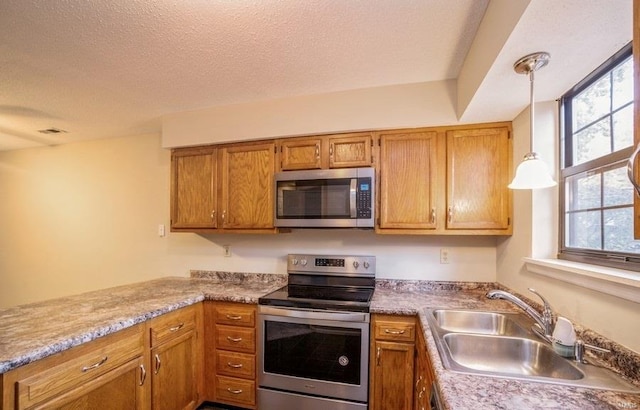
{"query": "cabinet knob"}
[(450, 213), (433, 215), (224, 215), (317, 151)]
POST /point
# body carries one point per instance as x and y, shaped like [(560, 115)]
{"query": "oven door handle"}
[(314, 314)]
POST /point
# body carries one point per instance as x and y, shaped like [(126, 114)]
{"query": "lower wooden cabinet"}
[(392, 362), (401, 373), (107, 373), (230, 354), (423, 374), (176, 360)]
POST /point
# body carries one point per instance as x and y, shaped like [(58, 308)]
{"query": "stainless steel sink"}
[(489, 323), (502, 345), (509, 355)]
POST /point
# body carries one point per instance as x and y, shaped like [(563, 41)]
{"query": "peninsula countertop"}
[(34, 331)]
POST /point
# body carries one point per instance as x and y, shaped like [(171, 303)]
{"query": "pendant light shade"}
[(532, 173)]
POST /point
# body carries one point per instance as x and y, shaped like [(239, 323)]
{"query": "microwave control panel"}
[(363, 201)]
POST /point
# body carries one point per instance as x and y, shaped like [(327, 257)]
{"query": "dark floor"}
[(214, 406)]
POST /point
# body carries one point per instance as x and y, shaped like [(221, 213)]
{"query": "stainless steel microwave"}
[(325, 198)]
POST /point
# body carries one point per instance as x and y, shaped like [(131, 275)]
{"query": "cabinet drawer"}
[(233, 390), (54, 376), (236, 315), (398, 330), (237, 339), (235, 364), (170, 325)]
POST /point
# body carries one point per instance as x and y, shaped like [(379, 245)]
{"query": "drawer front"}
[(237, 339), (235, 314), (237, 391), (171, 325), (235, 364), (398, 331), (54, 379)]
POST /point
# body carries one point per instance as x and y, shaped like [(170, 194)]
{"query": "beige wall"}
[(85, 216), (535, 216)]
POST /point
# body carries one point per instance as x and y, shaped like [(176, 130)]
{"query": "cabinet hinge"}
[(508, 135), (275, 149), (508, 221)]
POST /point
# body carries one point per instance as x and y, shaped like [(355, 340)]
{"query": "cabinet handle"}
[(213, 215), (234, 317), (143, 374), (158, 363), (176, 328), (95, 365), (234, 339), (378, 356), (422, 393), (234, 365), (317, 151), (234, 391), (418, 382), (450, 213), (394, 331), (331, 150), (630, 165), (433, 215), (224, 215)]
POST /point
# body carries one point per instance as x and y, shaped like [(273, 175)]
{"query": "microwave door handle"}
[(352, 197)]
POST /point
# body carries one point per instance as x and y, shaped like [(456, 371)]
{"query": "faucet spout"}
[(544, 320)]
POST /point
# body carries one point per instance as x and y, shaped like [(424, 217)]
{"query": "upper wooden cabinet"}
[(326, 151), (445, 181), (410, 162), (193, 188), (227, 188)]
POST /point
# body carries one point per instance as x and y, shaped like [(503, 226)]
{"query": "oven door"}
[(321, 353)]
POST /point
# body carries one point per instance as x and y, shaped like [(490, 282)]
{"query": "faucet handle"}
[(579, 350), (547, 305)]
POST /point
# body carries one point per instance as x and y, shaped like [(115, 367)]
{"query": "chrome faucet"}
[(545, 320)]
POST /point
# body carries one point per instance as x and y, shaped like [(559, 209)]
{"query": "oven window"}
[(313, 352)]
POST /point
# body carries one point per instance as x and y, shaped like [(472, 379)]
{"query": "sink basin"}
[(502, 345), (509, 355), (466, 321)]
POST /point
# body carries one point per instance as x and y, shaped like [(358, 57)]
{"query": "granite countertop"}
[(37, 330), (34, 331), (464, 391)]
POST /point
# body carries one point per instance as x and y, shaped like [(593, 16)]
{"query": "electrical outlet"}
[(444, 256), (227, 250), (161, 231)]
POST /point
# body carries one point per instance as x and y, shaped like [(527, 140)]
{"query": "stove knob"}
[(356, 264), (365, 264), (303, 262), (294, 262)]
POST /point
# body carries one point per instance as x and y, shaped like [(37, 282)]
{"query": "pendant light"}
[(532, 173)]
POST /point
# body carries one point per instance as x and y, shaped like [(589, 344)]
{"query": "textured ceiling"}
[(113, 68)]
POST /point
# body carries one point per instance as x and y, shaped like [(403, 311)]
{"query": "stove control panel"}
[(332, 264)]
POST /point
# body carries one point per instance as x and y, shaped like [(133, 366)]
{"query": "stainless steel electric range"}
[(313, 335)]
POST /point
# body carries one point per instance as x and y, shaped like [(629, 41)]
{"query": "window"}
[(596, 197)]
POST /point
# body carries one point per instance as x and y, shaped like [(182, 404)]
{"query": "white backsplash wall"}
[(397, 256)]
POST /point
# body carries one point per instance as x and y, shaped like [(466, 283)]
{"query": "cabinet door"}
[(121, 388), (300, 154), (478, 169), (423, 376), (408, 179), (350, 151), (193, 188), (247, 186), (174, 378), (392, 367)]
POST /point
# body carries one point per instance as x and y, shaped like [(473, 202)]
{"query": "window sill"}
[(616, 282)]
